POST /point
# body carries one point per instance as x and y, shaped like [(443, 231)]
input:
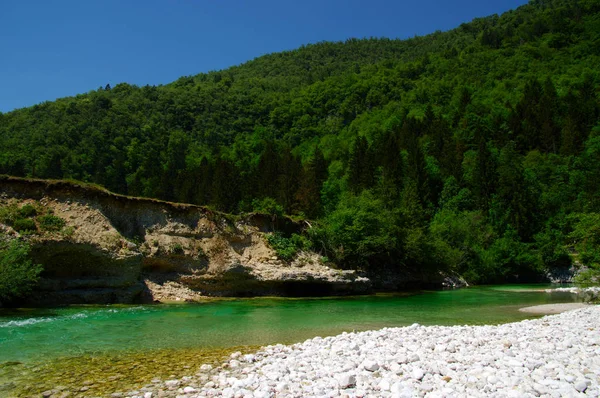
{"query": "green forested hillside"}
[(475, 150)]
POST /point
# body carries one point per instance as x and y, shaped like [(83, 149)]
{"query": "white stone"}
[(580, 385), (282, 387), (347, 381), (370, 365), (552, 356), (189, 390), (414, 358), (492, 379), (402, 359), (417, 374), (384, 385)]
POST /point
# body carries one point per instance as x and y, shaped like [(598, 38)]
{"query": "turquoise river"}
[(110, 348)]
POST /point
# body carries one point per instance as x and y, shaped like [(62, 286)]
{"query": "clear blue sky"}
[(53, 49)]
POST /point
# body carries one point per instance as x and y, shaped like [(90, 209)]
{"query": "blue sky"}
[(53, 49)]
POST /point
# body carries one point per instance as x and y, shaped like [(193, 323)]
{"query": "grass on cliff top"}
[(51, 185)]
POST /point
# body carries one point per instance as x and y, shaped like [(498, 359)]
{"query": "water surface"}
[(121, 346), (28, 334)]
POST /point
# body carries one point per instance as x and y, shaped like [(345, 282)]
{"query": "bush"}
[(49, 222), (9, 213), (24, 225), (176, 248), (586, 236), (27, 211), (358, 231), (267, 206), (287, 248), (17, 274)]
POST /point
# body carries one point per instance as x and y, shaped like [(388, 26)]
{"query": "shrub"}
[(287, 248), (267, 206), (9, 213), (360, 230), (17, 274), (27, 211), (586, 236), (48, 222), (24, 225), (68, 232), (176, 249)]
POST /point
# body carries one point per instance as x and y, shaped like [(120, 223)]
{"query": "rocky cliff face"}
[(118, 249)]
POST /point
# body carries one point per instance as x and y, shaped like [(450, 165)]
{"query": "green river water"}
[(126, 346)]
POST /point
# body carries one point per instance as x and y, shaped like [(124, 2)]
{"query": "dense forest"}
[(475, 150)]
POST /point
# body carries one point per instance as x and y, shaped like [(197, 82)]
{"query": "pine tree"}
[(485, 173), (288, 178), (513, 192), (267, 171), (308, 196), (548, 113), (392, 168), (225, 186), (360, 166)]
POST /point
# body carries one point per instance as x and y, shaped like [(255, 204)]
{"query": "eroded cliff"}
[(119, 249)]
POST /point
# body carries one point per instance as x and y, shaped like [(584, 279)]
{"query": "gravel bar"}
[(553, 356)]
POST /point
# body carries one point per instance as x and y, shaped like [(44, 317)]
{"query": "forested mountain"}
[(475, 150)]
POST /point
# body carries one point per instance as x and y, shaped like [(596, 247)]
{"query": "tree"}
[(17, 273), (360, 167), (308, 196), (514, 193)]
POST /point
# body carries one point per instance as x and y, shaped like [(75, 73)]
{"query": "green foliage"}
[(49, 222), (465, 150), (176, 248), (287, 248), (27, 211), (267, 206), (358, 230), (586, 238), (9, 213), (17, 274), (24, 225), (27, 218)]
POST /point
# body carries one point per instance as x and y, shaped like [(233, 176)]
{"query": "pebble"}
[(581, 386), (347, 381), (418, 374), (370, 365), (553, 356)]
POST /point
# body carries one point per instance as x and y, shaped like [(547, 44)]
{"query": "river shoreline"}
[(128, 362), (557, 355)]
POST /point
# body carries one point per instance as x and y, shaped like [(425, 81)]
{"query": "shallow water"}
[(89, 344)]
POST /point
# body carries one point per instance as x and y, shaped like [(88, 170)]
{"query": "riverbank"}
[(551, 309), (558, 355)]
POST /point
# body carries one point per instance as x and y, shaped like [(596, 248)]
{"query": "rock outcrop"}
[(119, 249)]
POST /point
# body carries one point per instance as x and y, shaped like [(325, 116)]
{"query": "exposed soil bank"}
[(119, 249)]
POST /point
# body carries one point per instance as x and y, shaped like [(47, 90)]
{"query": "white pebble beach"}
[(553, 356)]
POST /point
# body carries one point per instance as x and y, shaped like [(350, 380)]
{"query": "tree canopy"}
[(468, 150)]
